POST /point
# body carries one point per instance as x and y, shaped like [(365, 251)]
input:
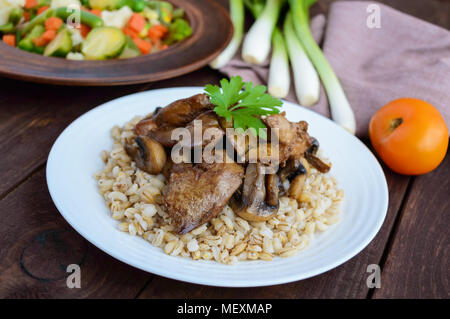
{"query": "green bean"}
[(178, 13), (15, 15), (7, 28), (139, 5), (85, 17), (39, 19), (27, 42)]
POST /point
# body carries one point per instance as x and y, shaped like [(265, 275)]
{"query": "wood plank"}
[(418, 263), (30, 123), (39, 239), (346, 281), (33, 115), (38, 244)]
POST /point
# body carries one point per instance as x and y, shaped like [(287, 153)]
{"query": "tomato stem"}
[(395, 123)]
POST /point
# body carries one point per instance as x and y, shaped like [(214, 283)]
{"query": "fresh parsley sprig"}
[(244, 103)]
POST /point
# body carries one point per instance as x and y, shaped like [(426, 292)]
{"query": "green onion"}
[(306, 80), (279, 76), (237, 16), (341, 111), (256, 46)]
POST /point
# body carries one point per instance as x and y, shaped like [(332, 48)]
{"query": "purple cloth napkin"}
[(405, 57)]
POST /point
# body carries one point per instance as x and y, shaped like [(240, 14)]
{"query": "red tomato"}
[(409, 135)]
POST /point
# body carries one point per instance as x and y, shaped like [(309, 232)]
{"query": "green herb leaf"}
[(243, 102)]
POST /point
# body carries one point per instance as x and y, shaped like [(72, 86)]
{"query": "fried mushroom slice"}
[(298, 180), (250, 203), (272, 189), (176, 114), (317, 163), (148, 154)]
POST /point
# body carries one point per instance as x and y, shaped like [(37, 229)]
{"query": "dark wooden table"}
[(36, 243)]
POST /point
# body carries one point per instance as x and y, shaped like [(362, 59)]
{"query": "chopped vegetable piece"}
[(178, 30), (129, 43), (105, 4), (178, 13), (156, 32), (144, 32), (7, 28), (9, 39), (85, 17), (118, 18), (243, 107), (45, 38), (75, 56), (129, 32), (103, 43), (30, 4), (53, 23), (84, 30), (130, 50), (165, 10), (48, 35), (61, 45), (143, 46), (137, 22), (42, 9), (15, 15), (27, 42), (27, 16), (139, 5), (129, 53), (150, 14), (39, 19), (96, 12)]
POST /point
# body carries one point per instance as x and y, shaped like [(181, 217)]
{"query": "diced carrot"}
[(156, 32), (97, 12), (29, 4), (143, 46), (39, 42), (42, 9), (48, 35), (53, 23), (161, 28), (137, 22), (9, 39), (26, 16), (45, 38), (164, 46), (84, 29), (131, 33), (156, 43)]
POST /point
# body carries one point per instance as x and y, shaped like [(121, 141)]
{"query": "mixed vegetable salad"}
[(92, 29)]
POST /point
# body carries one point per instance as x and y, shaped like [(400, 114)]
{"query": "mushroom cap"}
[(251, 204), (148, 154)]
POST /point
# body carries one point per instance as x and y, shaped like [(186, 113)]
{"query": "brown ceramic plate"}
[(212, 31)]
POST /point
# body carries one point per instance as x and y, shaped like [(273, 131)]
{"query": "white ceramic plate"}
[(75, 157)]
